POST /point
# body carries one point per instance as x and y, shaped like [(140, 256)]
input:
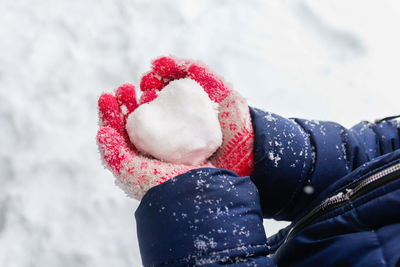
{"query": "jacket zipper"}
[(342, 198)]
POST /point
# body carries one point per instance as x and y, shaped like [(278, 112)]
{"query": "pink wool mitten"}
[(137, 173)]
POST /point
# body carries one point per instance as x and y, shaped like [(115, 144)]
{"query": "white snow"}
[(308, 189), (180, 126), (326, 60)]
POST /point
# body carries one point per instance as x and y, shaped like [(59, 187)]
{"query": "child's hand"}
[(137, 173)]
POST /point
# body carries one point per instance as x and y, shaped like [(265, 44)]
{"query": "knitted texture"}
[(137, 173)]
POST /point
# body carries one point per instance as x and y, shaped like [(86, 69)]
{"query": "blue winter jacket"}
[(340, 189)]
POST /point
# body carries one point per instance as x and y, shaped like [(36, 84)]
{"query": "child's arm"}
[(297, 159), (206, 216)]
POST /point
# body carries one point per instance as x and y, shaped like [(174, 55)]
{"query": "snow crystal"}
[(274, 157), (203, 243), (308, 189), (269, 117), (124, 109), (180, 126)]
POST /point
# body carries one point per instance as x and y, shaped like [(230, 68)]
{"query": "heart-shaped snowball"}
[(180, 126)]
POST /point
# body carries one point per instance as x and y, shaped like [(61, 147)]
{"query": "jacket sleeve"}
[(295, 159), (207, 217)]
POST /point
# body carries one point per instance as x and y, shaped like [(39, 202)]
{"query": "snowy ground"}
[(329, 60)]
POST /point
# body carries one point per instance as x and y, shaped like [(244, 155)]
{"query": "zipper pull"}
[(338, 198)]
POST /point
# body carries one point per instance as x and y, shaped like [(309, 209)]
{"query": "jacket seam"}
[(344, 137), (380, 244), (380, 247), (377, 140), (307, 179)]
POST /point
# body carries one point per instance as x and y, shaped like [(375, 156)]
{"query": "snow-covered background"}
[(330, 60)]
